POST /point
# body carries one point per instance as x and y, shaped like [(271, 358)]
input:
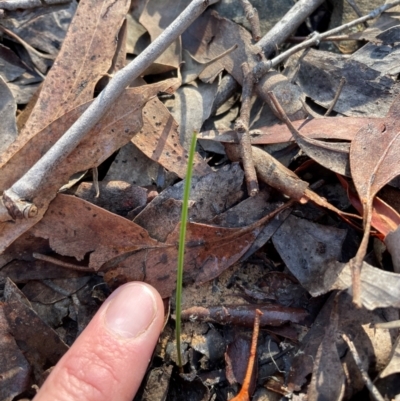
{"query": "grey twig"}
[(252, 16), (24, 4), (367, 381), (242, 129), (287, 25), (28, 186), (337, 38), (337, 94), (264, 66), (355, 7)]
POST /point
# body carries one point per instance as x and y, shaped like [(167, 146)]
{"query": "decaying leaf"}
[(328, 377), (155, 22), (379, 288), (209, 251), (307, 247), (374, 162), (162, 214), (41, 344), (14, 368), (84, 229), (392, 241), (115, 196), (375, 346), (367, 91), (8, 108), (85, 56)]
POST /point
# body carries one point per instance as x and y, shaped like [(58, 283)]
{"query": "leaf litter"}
[(109, 211)]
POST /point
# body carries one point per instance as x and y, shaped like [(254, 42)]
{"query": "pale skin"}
[(109, 359)]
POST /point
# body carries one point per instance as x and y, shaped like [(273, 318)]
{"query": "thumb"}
[(109, 359)]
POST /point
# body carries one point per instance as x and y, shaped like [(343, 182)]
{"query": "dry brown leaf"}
[(374, 162), (77, 228), (209, 251), (85, 56), (115, 129)]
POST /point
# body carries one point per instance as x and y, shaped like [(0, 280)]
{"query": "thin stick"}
[(394, 324), (181, 249), (252, 16), (337, 94), (370, 386), (95, 173), (337, 38), (28, 186), (354, 6), (26, 45), (55, 261), (242, 129), (264, 66), (12, 5), (244, 391)]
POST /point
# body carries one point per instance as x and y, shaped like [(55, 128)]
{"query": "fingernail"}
[(131, 310)]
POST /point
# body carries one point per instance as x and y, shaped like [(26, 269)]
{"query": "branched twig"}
[(242, 129), (288, 24), (264, 66), (372, 389), (28, 186), (12, 5), (252, 16)]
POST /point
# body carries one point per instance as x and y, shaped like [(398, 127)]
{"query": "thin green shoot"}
[(181, 249)]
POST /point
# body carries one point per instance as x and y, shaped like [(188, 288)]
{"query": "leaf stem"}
[(181, 249)]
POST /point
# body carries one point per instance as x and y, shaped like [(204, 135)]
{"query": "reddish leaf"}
[(384, 218)]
